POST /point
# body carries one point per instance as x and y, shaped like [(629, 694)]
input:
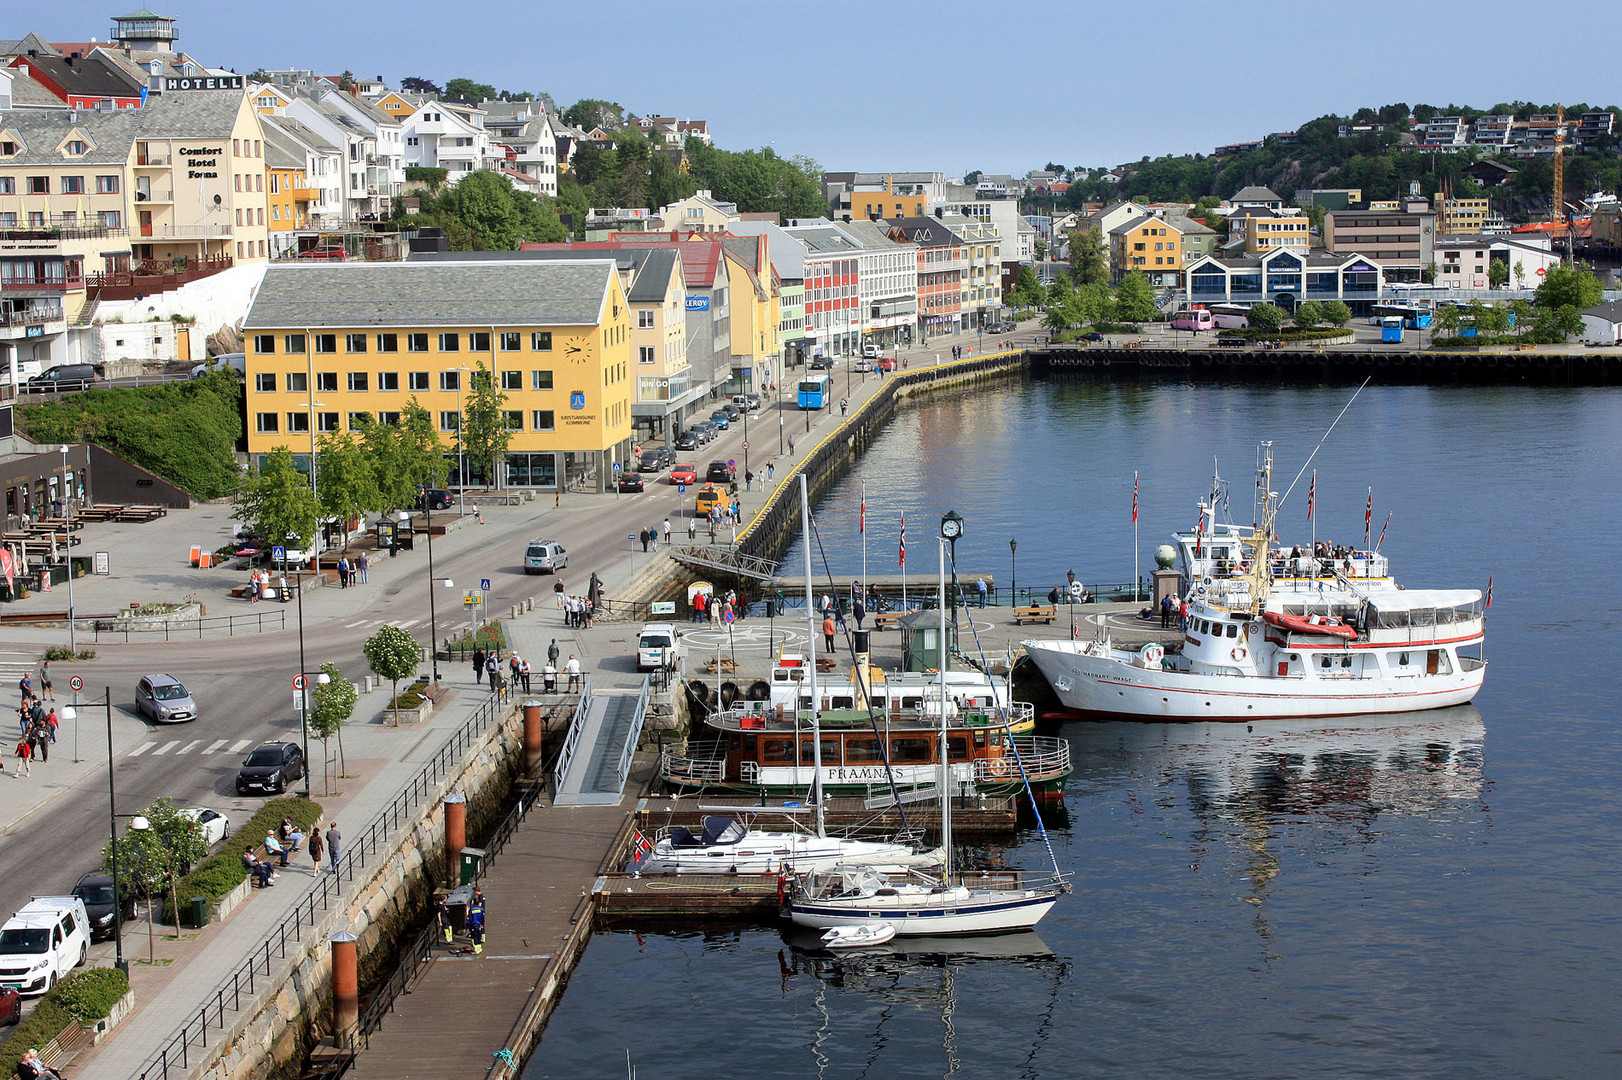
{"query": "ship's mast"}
[(1260, 540)]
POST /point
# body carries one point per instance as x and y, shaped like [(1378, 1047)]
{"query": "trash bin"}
[(457, 903), (199, 911), (472, 866)]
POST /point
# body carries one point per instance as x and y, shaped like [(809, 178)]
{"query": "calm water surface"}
[(1435, 896)]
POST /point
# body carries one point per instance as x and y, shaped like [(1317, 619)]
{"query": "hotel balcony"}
[(305, 194)]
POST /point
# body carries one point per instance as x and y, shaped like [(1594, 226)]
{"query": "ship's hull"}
[(979, 912), (1106, 686)]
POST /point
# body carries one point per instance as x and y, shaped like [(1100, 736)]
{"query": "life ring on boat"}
[(1239, 653), (1206, 580)]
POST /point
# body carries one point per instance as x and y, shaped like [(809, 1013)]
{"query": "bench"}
[(1230, 342), (1526, 346), (886, 620), (1033, 612)]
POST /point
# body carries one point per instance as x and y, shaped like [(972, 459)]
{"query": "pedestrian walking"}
[(363, 564), (769, 471), (40, 736), (748, 480), (51, 722), (25, 686), (643, 536), (1182, 614), (558, 591), (317, 848), (45, 690), (667, 532), (24, 752), (523, 674), (552, 652), (572, 669), (1165, 613), (335, 841), (343, 573), (828, 633), (476, 515), (844, 406), (475, 920), (858, 612), (492, 669), (980, 587), (478, 663), (791, 446)]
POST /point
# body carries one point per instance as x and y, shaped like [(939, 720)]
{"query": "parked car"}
[(870, 352), (686, 441), (62, 377), (822, 363), (884, 363), (214, 825), (733, 412), (630, 481), (720, 472), (237, 362), (270, 768), (542, 556), (656, 646), (11, 1007), (865, 365), (434, 499), (746, 402), (43, 943), (96, 890), (164, 700), (1092, 335), (325, 251), (705, 430), (651, 461), (683, 474), (720, 419)]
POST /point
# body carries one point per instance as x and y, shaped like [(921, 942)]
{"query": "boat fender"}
[(782, 886), (1239, 653)]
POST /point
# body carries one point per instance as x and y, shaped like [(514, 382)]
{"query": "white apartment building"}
[(436, 137)]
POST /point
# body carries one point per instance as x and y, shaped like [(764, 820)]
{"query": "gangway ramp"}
[(596, 757)]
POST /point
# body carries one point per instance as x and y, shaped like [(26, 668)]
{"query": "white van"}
[(24, 369), (42, 943), (656, 647), (543, 556)]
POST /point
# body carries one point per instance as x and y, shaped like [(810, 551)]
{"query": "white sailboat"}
[(857, 896)]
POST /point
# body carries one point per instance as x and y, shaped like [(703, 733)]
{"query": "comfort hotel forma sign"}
[(204, 82)]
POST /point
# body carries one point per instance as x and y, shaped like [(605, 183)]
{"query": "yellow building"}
[(347, 340), (893, 197), (1263, 230), (756, 310), (288, 191), (1460, 217), (395, 105), (1151, 244)]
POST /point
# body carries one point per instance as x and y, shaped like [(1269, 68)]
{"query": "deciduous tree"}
[(485, 435), (1089, 263), (1335, 313), (275, 499), (1565, 286), (332, 703), (1135, 298), (1309, 314), (1265, 316), (393, 654)]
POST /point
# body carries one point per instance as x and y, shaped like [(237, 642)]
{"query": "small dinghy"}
[(855, 937)]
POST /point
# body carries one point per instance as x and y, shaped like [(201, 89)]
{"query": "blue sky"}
[(948, 86)]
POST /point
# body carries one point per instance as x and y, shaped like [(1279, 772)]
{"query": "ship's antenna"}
[(1306, 464)]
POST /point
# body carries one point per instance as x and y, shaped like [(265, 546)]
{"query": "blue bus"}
[(1413, 317), (815, 392)]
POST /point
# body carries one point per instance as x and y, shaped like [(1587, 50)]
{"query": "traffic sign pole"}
[(76, 684)]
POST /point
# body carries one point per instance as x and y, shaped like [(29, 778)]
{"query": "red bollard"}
[(345, 988), (455, 834), (534, 737)]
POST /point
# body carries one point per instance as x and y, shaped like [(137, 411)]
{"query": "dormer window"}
[(156, 67), (7, 148), (76, 148)]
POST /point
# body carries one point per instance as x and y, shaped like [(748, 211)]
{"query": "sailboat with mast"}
[(855, 895)]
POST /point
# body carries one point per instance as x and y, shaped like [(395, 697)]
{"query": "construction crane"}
[(1557, 213)]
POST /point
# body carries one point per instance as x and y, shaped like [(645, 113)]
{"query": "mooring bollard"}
[(455, 833)]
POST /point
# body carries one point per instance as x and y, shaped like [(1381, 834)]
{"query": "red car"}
[(325, 251), (683, 474), (885, 363)]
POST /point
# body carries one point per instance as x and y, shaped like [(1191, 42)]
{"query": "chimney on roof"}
[(940, 211), (845, 218), (873, 215)]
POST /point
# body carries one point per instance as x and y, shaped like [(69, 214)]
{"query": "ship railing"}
[(1041, 755), (688, 766)]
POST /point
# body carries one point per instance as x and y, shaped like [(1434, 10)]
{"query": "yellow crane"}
[(1557, 213)]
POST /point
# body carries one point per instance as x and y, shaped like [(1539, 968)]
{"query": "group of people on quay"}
[(36, 721), (706, 607)]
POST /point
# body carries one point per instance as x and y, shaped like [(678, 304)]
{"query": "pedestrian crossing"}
[(182, 746), (370, 624)]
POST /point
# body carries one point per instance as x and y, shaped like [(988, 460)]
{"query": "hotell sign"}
[(205, 82)]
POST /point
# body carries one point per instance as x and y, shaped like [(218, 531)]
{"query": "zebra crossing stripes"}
[(179, 747)]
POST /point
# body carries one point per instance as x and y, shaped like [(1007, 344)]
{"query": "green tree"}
[(1309, 314), (1135, 298), (1428, 274), (1027, 289), (485, 434), (1265, 316), (346, 81), (152, 860), (1446, 318), (333, 702), (1491, 320), (484, 202), (1058, 292), (1335, 313), (348, 481), (275, 499), (1520, 274), (588, 113), (1552, 326), (1094, 303), (422, 454), (1566, 286), (1522, 311), (1497, 273), (414, 84), (394, 655), (468, 90), (1041, 250), (1057, 320), (1089, 263)]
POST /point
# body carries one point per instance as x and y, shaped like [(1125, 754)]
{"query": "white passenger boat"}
[(726, 846), (1279, 636)]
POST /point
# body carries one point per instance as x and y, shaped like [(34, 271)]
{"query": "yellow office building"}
[(352, 340)]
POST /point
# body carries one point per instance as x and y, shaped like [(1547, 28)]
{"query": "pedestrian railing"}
[(190, 1044), (186, 629), (622, 770), (571, 742)]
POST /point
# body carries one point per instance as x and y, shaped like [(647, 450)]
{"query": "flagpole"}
[(1314, 518), (903, 562), (1137, 579), (864, 542)]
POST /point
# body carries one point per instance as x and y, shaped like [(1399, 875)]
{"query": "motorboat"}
[(726, 845)]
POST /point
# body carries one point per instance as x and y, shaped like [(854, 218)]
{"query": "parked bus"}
[(1412, 316), (1193, 319), (1230, 316), (815, 391)]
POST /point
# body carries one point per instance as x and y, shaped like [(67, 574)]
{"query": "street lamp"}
[(951, 529), (1013, 574), (780, 428), (67, 501), (1071, 574), (315, 545), (303, 700)]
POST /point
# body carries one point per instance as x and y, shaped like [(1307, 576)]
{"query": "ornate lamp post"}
[(1071, 574), (1013, 573), (951, 529)]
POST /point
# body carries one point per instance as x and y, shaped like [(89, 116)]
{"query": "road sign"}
[(278, 552), (298, 700), (1541, 271), (728, 617), (732, 463), (298, 682), (746, 444), (681, 489), (484, 584), (76, 684), (616, 466), (472, 600), (662, 607)]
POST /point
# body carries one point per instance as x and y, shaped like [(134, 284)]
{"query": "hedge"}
[(1286, 334), (220, 873), (82, 998), (412, 697)]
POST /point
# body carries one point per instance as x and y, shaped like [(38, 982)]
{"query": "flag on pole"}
[(1312, 495), (1134, 498), (861, 525), (1488, 606), (1383, 528), (1199, 530), (901, 556), (1368, 518)]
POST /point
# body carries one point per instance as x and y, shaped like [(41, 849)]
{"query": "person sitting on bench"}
[(256, 868)]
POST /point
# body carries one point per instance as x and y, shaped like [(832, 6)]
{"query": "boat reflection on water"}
[(806, 943)]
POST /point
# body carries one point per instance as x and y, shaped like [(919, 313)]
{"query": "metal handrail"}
[(634, 736), (1042, 756), (254, 623), (572, 740)]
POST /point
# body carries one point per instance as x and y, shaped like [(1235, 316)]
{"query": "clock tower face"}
[(951, 528)]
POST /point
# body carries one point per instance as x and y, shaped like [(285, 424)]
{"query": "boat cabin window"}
[(842, 701), (912, 702), (957, 747), (980, 739), (862, 750), (1233, 629), (777, 749), (910, 750)]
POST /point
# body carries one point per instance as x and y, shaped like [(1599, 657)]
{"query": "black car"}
[(822, 363), (96, 890), (270, 768), (720, 472), (651, 461), (732, 411), (630, 481), (687, 441), (1092, 335), (434, 499)]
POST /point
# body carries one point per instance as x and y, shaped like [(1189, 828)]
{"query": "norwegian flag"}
[(641, 848), (1368, 518), (901, 556), (1488, 606), (1312, 495), (1134, 498), (1383, 528), (861, 524)]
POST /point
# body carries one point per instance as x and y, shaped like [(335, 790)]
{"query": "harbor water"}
[(1428, 896)]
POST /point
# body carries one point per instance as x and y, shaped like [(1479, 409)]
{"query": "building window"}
[(359, 421), (478, 341), (265, 383), (417, 380), (297, 382), (326, 382), (355, 342), (645, 354), (448, 420), (450, 342), (328, 422), (298, 423), (264, 344), (542, 420), (392, 419), (293, 343), (514, 419), (39, 185), (540, 341), (112, 219), (358, 381), (511, 341), (73, 185), (512, 380), (265, 423), (388, 381), (450, 380), (540, 380), (326, 343), (417, 343), (388, 343), (644, 320)]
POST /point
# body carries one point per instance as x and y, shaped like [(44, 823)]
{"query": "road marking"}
[(237, 748), (165, 748), (143, 748), (219, 744), (351, 626), (188, 747), (408, 624)]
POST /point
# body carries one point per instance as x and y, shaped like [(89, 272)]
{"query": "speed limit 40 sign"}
[(75, 684)]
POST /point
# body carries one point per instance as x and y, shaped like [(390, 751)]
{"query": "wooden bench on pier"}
[(1033, 613), (887, 620)]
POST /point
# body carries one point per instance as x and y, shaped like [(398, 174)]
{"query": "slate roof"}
[(1610, 312), (88, 75), (40, 132), (508, 292), (281, 152), (1255, 193), (297, 129)]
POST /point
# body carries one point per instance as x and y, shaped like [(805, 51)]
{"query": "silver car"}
[(163, 699)]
